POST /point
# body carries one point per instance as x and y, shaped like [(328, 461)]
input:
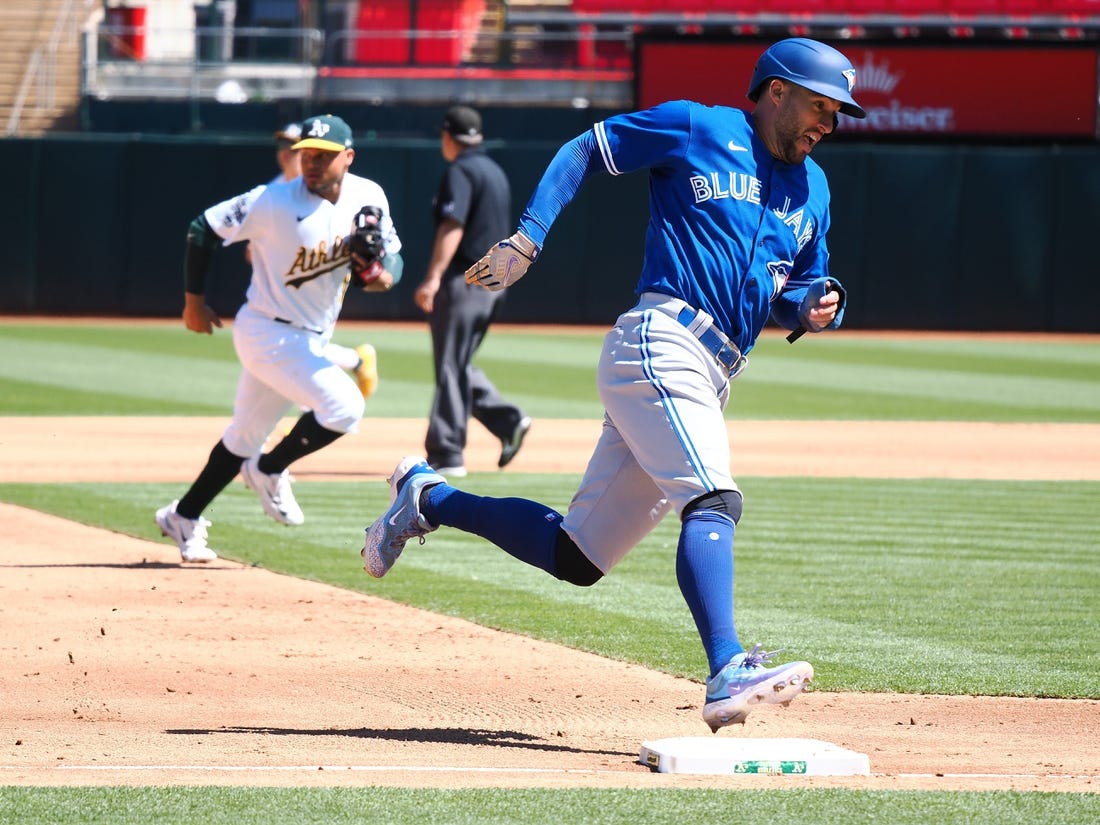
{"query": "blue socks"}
[(528, 531), (704, 571), (522, 528)]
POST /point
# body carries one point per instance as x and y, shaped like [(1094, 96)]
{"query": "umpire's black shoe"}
[(510, 445)]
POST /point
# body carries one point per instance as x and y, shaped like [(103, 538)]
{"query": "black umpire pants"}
[(460, 318)]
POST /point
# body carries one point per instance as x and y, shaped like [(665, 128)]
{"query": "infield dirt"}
[(119, 666)]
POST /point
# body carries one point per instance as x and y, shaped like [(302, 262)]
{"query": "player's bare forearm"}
[(197, 316)]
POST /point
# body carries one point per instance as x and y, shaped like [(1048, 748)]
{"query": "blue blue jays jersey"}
[(731, 228)]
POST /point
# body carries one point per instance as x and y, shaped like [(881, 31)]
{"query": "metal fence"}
[(544, 58), (417, 66)]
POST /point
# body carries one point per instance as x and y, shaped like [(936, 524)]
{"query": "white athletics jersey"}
[(299, 245)]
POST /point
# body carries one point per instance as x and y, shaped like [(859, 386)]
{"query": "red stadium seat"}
[(1026, 8), (601, 6), (1077, 8), (860, 7), (735, 6), (795, 7), (977, 8), (865, 7), (938, 8), (386, 18), (437, 16)]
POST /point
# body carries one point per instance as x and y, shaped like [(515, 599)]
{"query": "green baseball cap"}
[(326, 132)]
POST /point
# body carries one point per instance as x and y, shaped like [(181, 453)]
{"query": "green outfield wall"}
[(924, 237)]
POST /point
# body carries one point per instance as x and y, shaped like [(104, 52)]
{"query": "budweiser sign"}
[(964, 90)]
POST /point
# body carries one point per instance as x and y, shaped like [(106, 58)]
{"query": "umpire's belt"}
[(701, 325)]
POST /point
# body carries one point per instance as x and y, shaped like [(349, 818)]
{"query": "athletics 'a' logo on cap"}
[(850, 76), (319, 128)]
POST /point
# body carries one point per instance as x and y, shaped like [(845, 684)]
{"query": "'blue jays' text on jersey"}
[(730, 226)]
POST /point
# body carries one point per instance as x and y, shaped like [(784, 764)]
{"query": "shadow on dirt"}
[(444, 736)]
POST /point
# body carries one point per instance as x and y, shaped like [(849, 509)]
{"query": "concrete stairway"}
[(525, 45), (52, 95)]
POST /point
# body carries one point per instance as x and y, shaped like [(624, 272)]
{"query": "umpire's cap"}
[(463, 124), (810, 64), (327, 132)]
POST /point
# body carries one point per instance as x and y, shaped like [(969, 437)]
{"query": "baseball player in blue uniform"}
[(738, 219)]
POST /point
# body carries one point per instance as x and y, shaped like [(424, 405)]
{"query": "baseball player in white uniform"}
[(302, 265), (738, 219), (361, 361)]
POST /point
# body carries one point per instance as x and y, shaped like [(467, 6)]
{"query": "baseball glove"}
[(366, 245)]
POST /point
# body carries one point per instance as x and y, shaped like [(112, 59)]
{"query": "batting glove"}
[(503, 264)]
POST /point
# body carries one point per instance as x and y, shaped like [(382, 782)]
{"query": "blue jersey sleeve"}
[(620, 144), (650, 139), (574, 163), (811, 263)]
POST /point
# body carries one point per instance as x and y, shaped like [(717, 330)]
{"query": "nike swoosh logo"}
[(393, 523), (302, 218), (733, 147)]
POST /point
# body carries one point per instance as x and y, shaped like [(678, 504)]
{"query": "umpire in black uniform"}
[(471, 211)]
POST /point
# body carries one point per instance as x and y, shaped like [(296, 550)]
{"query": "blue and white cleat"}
[(386, 537), (745, 682)]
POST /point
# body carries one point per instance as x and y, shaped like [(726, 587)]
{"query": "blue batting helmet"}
[(810, 64)]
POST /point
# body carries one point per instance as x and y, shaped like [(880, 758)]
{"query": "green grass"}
[(964, 587), (914, 586), (111, 369), (387, 806)]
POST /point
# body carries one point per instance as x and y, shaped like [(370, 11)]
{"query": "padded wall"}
[(924, 237)]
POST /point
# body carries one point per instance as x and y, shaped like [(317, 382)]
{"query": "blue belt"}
[(725, 351)]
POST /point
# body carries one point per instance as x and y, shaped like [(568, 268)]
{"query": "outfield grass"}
[(387, 806), (112, 369), (965, 587)]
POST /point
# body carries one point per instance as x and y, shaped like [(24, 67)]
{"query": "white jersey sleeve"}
[(226, 217), (299, 246)]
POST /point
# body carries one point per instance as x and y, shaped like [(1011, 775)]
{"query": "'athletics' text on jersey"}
[(305, 245)]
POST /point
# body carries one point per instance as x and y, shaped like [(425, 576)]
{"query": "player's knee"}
[(572, 565), (341, 424), (355, 409), (343, 417), (729, 502)]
